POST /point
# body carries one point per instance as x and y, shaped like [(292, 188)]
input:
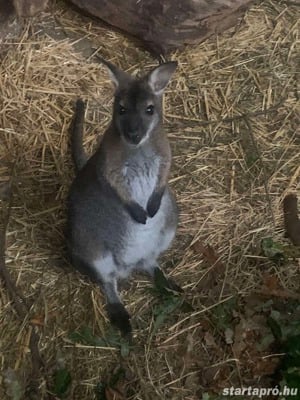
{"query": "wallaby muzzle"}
[(133, 137), (133, 129)]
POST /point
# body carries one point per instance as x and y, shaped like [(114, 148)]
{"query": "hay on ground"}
[(219, 178)]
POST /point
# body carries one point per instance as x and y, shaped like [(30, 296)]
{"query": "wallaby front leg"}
[(157, 194), (116, 181), (155, 201), (137, 212)]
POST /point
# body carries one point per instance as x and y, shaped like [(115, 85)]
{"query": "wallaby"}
[(121, 213)]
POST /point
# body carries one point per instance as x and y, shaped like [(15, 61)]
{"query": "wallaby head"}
[(137, 110)]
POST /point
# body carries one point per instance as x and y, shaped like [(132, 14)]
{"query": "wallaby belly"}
[(99, 227), (147, 242)]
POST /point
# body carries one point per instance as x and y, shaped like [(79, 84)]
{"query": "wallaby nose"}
[(133, 137)]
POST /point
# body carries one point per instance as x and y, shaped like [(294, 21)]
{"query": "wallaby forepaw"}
[(137, 213), (154, 202), (152, 208)]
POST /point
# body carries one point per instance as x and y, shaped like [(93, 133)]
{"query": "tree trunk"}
[(29, 8), (164, 25)]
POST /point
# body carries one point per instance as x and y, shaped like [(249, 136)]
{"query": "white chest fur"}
[(147, 242), (140, 177)]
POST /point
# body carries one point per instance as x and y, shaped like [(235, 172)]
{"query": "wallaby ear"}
[(160, 76), (118, 76)]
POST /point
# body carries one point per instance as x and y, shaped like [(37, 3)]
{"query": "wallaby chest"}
[(140, 174), (146, 242)]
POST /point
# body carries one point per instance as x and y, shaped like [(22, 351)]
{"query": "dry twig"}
[(19, 301)]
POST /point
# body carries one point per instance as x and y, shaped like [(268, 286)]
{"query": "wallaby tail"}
[(78, 153)]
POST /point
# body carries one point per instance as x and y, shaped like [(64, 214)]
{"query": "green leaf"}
[(85, 336), (292, 350), (251, 159), (125, 348), (222, 314), (292, 329), (266, 305), (14, 385), (275, 328), (292, 345), (117, 376), (290, 365), (291, 251), (210, 396), (170, 300), (100, 391), (163, 310), (62, 380), (111, 339), (273, 250), (160, 282), (186, 307), (163, 286), (276, 315), (292, 381), (265, 343)]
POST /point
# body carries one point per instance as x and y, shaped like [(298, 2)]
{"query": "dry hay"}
[(219, 179)]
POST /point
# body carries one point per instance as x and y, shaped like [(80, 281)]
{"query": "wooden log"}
[(164, 25), (291, 219), (6, 9), (7, 27), (29, 8)]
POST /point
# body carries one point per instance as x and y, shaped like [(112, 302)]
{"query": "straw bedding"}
[(229, 174)]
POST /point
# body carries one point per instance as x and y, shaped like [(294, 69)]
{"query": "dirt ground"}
[(232, 117)]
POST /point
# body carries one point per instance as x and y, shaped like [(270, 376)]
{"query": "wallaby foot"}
[(161, 280), (116, 311), (120, 318)]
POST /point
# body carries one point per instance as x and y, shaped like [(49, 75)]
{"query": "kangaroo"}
[(121, 213)]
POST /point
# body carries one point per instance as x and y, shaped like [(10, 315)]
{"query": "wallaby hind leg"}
[(103, 272), (159, 278), (116, 311)]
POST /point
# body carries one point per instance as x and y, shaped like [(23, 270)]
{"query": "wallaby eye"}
[(150, 110), (122, 110)]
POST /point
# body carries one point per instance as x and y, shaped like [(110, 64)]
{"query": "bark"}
[(29, 8), (291, 219), (164, 25)]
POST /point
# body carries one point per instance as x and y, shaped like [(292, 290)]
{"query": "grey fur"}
[(121, 212), (78, 154)]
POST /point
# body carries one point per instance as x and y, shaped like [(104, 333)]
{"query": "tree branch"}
[(20, 305)]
